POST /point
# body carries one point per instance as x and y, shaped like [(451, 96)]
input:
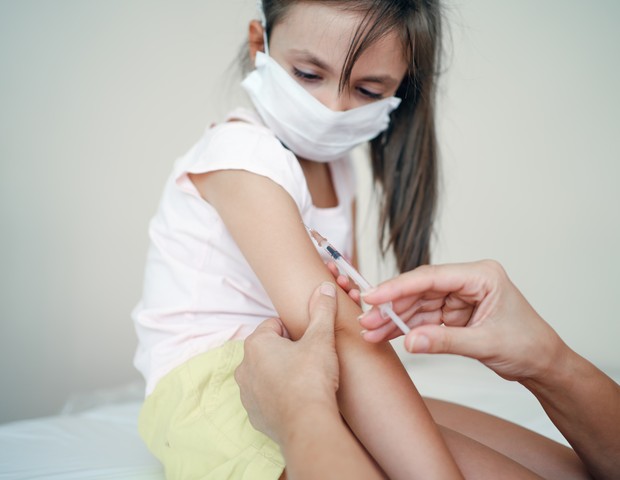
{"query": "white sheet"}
[(102, 442), (99, 443)]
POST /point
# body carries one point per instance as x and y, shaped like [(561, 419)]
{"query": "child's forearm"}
[(383, 408), (376, 395), (318, 445)]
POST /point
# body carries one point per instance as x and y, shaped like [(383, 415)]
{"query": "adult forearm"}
[(318, 444), (584, 404)]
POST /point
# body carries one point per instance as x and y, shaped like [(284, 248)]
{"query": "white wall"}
[(98, 98), (532, 158), (530, 127), (96, 101)]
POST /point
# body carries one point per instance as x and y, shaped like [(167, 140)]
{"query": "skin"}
[(315, 40), (302, 435), (587, 412), (475, 310), (264, 221)]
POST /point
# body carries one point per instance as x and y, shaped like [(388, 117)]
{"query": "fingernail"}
[(363, 332), (359, 319), (418, 344), (328, 289)]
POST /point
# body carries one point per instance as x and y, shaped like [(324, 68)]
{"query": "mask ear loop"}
[(263, 22)]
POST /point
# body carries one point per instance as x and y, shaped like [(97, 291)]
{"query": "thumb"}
[(465, 341), (322, 308)]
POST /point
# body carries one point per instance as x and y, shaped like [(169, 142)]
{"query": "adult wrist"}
[(557, 371)]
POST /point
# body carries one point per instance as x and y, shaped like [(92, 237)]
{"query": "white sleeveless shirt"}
[(199, 291)]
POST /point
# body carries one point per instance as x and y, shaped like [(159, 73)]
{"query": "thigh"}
[(196, 426), (535, 452)]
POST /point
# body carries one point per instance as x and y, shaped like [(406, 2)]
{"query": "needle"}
[(344, 266)]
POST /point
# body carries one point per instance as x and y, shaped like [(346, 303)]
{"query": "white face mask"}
[(302, 123)]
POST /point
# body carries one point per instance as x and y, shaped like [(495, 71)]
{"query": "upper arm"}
[(354, 257), (266, 224)]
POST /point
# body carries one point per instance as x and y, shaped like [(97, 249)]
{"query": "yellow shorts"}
[(195, 424)]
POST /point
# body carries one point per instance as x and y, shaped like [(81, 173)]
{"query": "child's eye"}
[(305, 75), (369, 94)]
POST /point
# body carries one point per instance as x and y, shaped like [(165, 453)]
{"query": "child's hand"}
[(345, 283)]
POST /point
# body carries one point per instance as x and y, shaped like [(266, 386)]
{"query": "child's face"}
[(311, 44)]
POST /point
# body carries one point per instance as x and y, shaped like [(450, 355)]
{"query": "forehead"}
[(328, 31)]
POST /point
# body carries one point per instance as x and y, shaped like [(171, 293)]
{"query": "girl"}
[(229, 248)]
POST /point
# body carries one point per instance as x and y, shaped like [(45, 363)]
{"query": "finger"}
[(468, 342), (269, 331), (381, 334), (323, 307), (378, 328), (354, 293), (271, 326), (331, 266), (241, 374), (343, 282), (372, 319), (427, 278)]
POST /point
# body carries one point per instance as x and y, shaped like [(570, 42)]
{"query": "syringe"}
[(345, 267)]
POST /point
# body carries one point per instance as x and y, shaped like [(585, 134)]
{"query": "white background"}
[(97, 99)]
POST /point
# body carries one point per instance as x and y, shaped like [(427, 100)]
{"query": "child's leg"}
[(196, 426), (539, 454), (479, 462)]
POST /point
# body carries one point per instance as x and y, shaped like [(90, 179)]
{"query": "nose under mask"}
[(302, 123)]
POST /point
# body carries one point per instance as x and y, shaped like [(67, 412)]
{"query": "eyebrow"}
[(310, 57), (386, 80)]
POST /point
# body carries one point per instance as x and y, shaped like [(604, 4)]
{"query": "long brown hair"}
[(404, 158)]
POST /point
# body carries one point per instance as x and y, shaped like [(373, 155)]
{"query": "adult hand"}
[(279, 377), (344, 282), (467, 309)]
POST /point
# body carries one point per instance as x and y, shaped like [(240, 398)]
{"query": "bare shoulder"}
[(226, 185)]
